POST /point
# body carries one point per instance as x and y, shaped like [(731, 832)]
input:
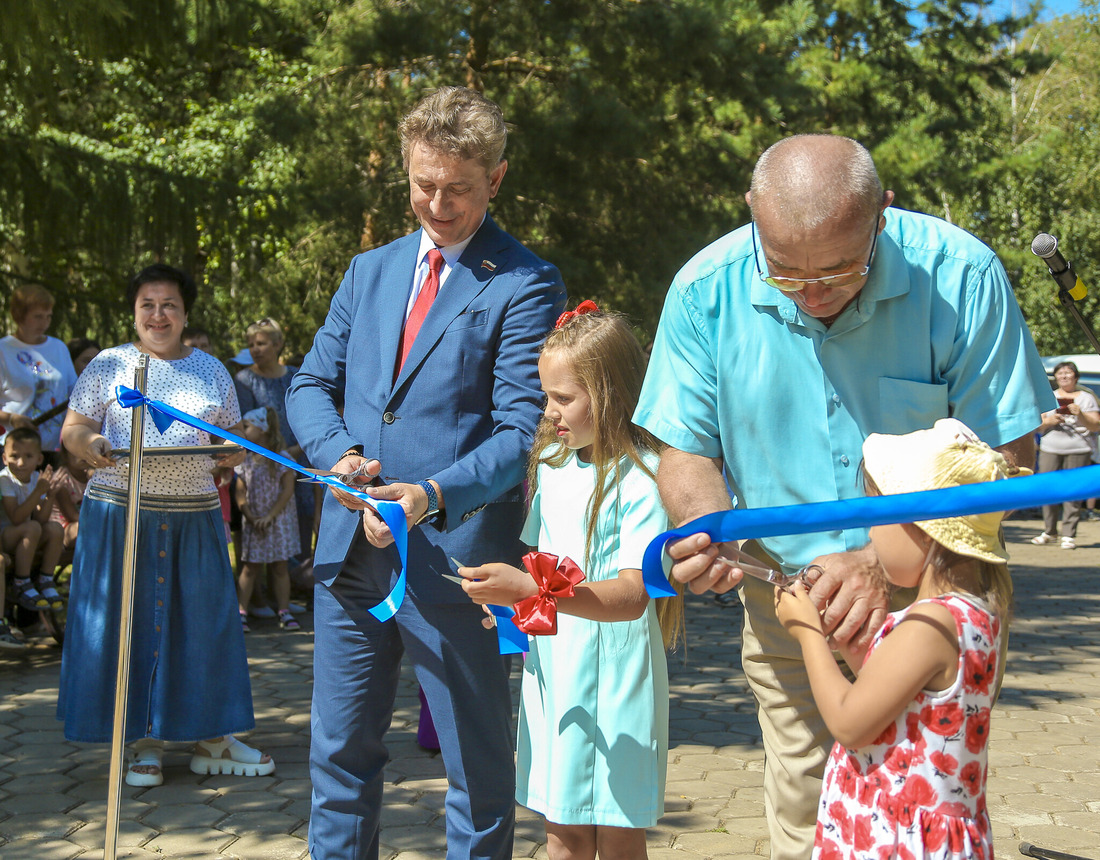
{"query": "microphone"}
[(1029, 850), (1045, 247)]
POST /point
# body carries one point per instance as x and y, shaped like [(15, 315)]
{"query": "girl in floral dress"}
[(265, 495), (906, 777)]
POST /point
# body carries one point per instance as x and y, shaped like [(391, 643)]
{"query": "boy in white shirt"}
[(26, 499)]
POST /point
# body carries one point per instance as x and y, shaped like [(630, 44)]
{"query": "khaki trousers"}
[(796, 742)]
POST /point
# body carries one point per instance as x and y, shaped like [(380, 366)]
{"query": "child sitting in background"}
[(26, 500)]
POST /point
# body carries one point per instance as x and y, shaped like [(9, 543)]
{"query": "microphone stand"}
[(1070, 305), (1045, 247)]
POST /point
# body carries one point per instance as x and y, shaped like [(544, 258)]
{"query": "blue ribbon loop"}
[(392, 513), (510, 638), (1033, 491)]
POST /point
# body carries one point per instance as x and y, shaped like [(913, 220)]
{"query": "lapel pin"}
[(489, 264)]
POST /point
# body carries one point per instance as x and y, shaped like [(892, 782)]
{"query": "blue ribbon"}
[(392, 513), (1032, 491), (509, 637)]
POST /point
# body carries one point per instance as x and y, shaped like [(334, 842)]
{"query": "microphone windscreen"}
[(1044, 245)]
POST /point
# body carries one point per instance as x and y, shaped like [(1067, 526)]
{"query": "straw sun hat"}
[(947, 455)]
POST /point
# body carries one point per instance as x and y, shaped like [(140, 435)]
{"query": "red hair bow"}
[(586, 307), (538, 615)]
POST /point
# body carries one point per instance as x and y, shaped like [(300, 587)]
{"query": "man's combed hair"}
[(456, 121)]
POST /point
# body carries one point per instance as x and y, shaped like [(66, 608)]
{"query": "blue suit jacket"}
[(462, 411)]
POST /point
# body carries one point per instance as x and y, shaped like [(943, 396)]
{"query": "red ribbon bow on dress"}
[(586, 307), (538, 615)]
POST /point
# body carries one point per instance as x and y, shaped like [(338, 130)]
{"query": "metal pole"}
[(122, 678), (1068, 303)]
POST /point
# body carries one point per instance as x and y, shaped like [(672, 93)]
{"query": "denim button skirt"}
[(188, 667)]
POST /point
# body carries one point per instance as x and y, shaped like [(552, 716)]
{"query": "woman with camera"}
[(1068, 442)]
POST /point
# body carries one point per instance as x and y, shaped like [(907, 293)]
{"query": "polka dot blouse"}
[(198, 385)]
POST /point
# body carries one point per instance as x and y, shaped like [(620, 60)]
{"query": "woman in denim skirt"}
[(188, 668)]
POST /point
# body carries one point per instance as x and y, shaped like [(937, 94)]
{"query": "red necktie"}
[(423, 301)]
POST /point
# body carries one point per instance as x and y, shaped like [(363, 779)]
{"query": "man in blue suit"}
[(424, 374)]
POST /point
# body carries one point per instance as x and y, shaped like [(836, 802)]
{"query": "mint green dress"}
[(593, 725)]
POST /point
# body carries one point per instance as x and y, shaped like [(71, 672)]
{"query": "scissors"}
[(807, 575), (343, 477), (456, 579)]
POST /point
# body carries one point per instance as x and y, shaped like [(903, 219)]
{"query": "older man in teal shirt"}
[(781, 347)]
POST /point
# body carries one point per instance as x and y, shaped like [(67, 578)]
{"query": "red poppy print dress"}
[(918, 791)]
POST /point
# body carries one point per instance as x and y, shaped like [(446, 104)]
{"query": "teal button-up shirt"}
[(739, 372)]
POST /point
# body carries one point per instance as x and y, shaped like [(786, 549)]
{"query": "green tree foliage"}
[(1031, 165), (255, 143)]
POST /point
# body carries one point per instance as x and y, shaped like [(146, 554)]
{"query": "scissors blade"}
[(342, 477)]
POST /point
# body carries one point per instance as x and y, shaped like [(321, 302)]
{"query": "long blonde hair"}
[(608, 363)]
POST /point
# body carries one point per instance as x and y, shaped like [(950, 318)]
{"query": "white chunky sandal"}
[(230, 756)]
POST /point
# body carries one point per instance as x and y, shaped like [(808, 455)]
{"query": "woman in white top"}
[(36, 372), (188, 667), (1068, 442)]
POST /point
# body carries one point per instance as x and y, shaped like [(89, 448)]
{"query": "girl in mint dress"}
[(593, 732)]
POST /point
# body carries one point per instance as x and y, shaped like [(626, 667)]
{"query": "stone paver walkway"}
[(1044, 784)]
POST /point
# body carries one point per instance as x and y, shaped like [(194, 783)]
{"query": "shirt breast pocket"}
[(905, 405)]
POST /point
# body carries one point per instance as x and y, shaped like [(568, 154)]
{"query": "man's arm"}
[(692, 485), (316, 392), (1020, 452)]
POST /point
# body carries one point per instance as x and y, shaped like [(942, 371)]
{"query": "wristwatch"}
[(433, 501)]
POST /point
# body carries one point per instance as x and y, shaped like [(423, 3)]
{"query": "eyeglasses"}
[(793, 285)]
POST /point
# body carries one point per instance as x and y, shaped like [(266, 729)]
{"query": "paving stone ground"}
[(1044, 784)]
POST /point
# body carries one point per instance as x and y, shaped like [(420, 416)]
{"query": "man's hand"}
[(854, 596), (411, 497), (497, 583), (364, 471), (702, 565)]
